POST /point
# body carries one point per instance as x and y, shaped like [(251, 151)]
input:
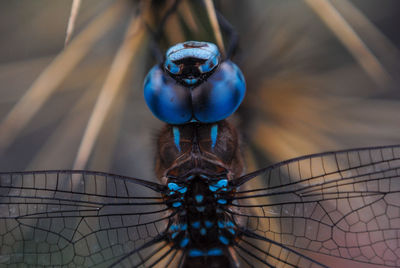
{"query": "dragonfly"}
[(204, 211)]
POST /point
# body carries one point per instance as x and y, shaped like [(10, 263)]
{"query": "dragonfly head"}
[(194, 85), (192, 62)]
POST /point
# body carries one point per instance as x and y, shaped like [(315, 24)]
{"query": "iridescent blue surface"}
[(214, 135), (220, 95), (168, 101), (177, 138), (196, 87)]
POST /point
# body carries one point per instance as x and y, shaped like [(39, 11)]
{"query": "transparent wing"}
[(64, 218), (344, 204)]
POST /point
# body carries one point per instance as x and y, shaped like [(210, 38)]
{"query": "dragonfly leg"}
[(230, 30)]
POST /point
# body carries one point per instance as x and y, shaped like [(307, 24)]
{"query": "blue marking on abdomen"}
[(173, 186), (174, 227), (196, 224), (201, 209), (184, 242), (222, 183), (177, 137), (195, 253), (208, 224), (222, 201), (203, 231), (199, 198), (176, 204), (214, 135), (182, 190), (215, 252), (223, 240), (213, 188)]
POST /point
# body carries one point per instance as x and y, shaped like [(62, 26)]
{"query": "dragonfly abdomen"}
[(202, 229)]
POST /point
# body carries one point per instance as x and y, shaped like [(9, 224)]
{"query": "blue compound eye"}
[(220, 95), (168, 100)]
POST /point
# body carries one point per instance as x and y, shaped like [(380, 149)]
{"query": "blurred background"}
[(321, 75)]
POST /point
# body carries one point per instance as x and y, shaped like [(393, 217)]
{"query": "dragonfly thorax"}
[(198, 149)]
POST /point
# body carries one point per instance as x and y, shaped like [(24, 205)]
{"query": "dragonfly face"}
[(205, 213), (193, 86), (192, 62)]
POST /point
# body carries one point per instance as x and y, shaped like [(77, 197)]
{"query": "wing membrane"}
[(345, 204), (256, 251), (77, 218)]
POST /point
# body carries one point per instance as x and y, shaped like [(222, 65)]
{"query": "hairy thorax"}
[(208, 149)]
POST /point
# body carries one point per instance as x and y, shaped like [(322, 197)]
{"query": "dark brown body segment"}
[(196, 154)]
